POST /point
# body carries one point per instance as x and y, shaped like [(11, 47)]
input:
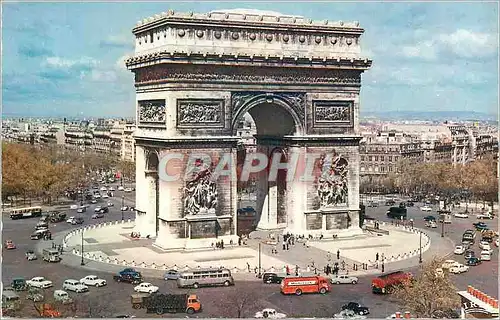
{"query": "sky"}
[(67, 59)]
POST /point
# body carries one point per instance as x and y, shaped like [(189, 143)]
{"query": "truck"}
[(384, 283), (162, 303), (299, 285), (51, 255)]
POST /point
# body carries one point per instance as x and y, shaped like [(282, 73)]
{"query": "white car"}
[(426, 208), (128, 190), (483, 245), (39, 282), (431, 224), (348, 314), (146, 287), (449, 263), (111, 189), (121, 188), (125, 208), (269, 313), (103, 189), (73, 207), (111, 204), (459, 250), (70, 220), (93, 201), (97, 209), (496, 242), (344, 279), (105, 196), (97, 196), (460, 215), (74, 285), (460, 268), (485, 216), (93, 281)]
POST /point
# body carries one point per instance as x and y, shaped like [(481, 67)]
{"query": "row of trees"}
[(473, 180), (32, 172)]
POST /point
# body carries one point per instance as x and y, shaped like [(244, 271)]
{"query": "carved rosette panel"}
[(200, 191), (239, 101), (332, 184), (200, 113), (151, 111), (333, 113)]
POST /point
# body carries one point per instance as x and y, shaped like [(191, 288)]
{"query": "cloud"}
[(118, 41), (63, 63), (459, 44), (33, 51), (103, 76)]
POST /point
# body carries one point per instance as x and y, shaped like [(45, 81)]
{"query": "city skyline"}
[(66, 59)]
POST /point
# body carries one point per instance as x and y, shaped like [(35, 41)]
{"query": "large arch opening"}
[(262, 128)]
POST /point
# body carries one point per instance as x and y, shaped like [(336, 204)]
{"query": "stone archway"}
[(196, 75)]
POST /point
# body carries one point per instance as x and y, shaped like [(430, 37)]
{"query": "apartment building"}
[(128, 143)]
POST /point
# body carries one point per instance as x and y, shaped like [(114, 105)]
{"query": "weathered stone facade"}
[(198, 74)]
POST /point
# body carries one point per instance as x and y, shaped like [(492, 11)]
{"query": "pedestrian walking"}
[(338, 254), (329, 256), (248, 267), (284, 245), (287, 270), (376, 257), (222, 244), (288, 245)]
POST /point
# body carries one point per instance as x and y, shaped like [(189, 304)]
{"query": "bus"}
[(205, 277), (29, 212), (299, 285)]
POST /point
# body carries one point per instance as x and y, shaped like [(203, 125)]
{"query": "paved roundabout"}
[(217, 302)]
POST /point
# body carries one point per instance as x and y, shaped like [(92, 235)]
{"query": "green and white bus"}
[(205, 278), (21, 213)]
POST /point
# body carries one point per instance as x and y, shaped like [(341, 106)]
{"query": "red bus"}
[(384, 283), (299, 285)]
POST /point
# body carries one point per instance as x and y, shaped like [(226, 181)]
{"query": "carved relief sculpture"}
[(333, 112), (332, 183), (152, 111), (199, 112), (200, 192)]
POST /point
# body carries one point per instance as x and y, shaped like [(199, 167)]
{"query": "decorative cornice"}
[(188, 142), (311, 141), (246, 20), (166, 56)]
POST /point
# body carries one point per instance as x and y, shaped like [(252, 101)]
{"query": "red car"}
[(9, 245)]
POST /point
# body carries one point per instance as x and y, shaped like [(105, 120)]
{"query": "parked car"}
[(426, 208), (430, 218), (75, 286), (9, 245), (496, 242), (483, 245), (459, 249), (39, 282), (62, 297), (269, 313), (485, 255), (344, 279), (120, 188), (474, 261), (171, 275), (460, 268), (460, 215), (31, 255), (93, 281), (486, 216), (356, 307), (146, 287), (98, 215)]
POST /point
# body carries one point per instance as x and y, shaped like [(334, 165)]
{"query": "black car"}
[(474, 261), (356, 307), (390, 202), (410, 203), (128, 278), (430, 218), (271, 278), (104, 210)]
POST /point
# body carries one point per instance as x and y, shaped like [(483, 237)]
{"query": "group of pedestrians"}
[(218, 245)]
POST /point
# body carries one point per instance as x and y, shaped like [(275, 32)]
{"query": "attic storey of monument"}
[(197, 75)]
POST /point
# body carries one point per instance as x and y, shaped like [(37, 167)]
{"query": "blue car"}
[(171, 275), (130, 272), (480, 226)]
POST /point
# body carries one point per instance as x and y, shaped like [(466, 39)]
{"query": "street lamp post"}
[(442, 227), (420, 249), (82, 262), (259, 275)]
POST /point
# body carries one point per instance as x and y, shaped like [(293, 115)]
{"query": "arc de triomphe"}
[(196, 75)]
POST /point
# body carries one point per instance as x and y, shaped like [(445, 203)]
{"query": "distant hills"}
[(429, 115)]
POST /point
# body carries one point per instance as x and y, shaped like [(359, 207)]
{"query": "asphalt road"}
[(217, 302), (483, 277)]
